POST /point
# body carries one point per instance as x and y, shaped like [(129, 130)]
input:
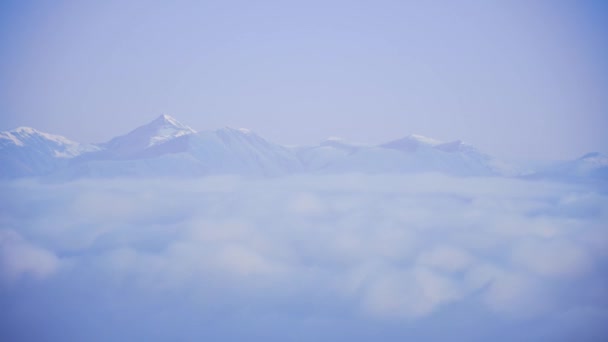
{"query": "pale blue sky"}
[(515, 78)]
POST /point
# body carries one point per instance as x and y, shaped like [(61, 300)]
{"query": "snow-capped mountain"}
[(25, 151), (411, 143), (161, 130), (329, 152), (166, 147), (241, 151), (413, 153)]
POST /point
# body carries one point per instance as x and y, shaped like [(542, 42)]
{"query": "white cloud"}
[(552, 258), (446, 258), (20, 258), (351, 248), (306, 204)]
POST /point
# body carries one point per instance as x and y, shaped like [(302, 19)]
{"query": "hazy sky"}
[(515, 78)]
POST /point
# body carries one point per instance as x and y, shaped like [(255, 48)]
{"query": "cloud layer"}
[(354, 257)]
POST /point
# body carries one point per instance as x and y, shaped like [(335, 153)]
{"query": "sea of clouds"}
[(304, 258)]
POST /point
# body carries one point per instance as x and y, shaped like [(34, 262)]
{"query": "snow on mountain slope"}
[(413, 153), (330, 151), (27, 152), (159, 131), (224, 151), (241, 151), (55, 145), (411, 143), (473, 161)]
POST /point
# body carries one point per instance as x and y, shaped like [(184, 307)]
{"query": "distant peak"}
[(423, 139), (20, 135), (411, 143), (25, 129), (167, 119), (158, 131), (28, 131)]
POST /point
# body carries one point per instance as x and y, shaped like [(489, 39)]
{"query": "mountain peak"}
[(169, 121), (25, 129), (162, 129), (158, 131), (422, 139), (411, 143), (20, 135), (30, 139)]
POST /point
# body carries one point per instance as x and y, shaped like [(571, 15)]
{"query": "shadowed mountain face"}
[(165, 147)]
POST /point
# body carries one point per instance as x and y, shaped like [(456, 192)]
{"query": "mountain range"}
[(167, 148)]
